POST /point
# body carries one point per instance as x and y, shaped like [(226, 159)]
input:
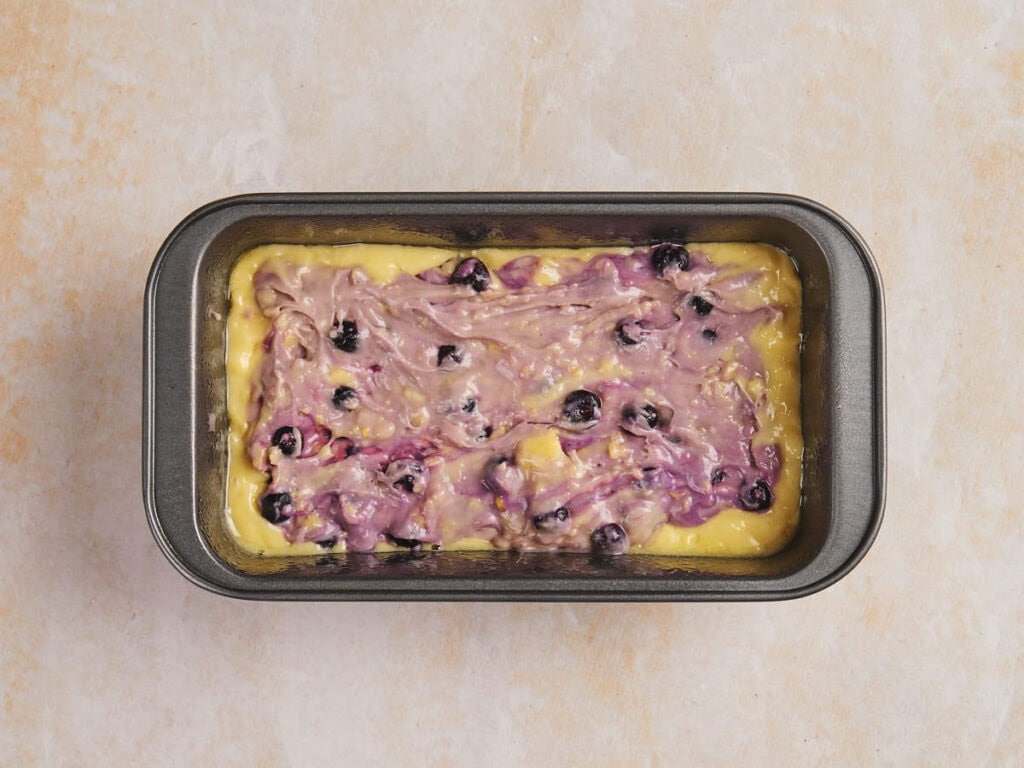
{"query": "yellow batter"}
[(731, 532)]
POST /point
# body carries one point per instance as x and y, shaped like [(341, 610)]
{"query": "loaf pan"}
[(184, 421)]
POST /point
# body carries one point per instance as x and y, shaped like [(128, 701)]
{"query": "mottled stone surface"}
[(116, 119)]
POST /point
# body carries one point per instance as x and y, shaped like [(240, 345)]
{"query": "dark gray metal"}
[(842, 370)]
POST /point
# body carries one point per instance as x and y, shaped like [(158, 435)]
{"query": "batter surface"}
[(385, 397)]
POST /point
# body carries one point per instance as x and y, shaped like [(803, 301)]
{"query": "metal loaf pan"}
[(842, 367)]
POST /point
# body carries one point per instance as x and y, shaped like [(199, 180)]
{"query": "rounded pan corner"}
[(840, 573), (193, 220), (867, 256), (164, 543)]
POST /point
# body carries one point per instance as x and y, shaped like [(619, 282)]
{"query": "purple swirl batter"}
[(449, 370)]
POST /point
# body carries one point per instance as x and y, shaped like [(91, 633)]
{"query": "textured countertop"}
[(117, 119)]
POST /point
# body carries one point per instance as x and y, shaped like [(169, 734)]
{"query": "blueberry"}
[(345, 398), (701, 306), (414, 544), (287, 439), (709, 333), (471, 272), (551, 521), (581, 406), (407, 475), (448, 353), (609, 539), (629, 333), (342, 448), (499, 461), (346, 336), (649, 414), (756, 497), (469, 406), (717, 476), (668, 256), (485, 433), (652, 477), (276, 507), (328, 543), (502, 476), (638, 420)]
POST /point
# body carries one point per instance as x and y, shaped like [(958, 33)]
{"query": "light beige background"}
[(117, 119)]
